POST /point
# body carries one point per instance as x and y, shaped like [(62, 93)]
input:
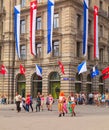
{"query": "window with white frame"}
[(0, 52), (101, 54), (38, 23), (89, 50), (108, 11), (23, 51), (56, 21), (100, 31), (38, 50), (22, 26), (55, 47), (90, 1), (101, 4), (78, 21), (23, 3), (78, 49), (39, 1), (90, 26), (1, 4)]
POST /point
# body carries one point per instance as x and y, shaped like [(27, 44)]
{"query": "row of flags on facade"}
[(3, 69), (33, 13), (85, 30), (81, 68), (94, 71), (50, 11)]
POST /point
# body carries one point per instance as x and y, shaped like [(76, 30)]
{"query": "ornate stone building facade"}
[(67, 47)]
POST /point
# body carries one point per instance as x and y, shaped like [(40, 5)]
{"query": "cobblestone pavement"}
[(87, 118)]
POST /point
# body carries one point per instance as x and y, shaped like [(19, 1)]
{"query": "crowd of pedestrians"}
[(27, 103), (66, 104)]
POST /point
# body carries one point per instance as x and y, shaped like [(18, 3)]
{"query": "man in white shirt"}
[(18, 99)]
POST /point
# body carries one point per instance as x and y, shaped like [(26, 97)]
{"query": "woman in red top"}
[(27, 101)]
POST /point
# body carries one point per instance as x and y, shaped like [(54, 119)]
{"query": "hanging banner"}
[(33, 11)]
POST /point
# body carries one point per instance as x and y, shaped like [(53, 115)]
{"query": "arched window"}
[(78, 83), (54, 84), (36, 85), (101, 85), (89, 84), (21, 84)]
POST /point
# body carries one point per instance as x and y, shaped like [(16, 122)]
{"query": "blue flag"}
[(17, 28), (39, 70), (50, 13), (94, 72), (82, 67), (85, 28)]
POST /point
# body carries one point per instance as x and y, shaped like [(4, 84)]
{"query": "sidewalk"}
[(88, 117)]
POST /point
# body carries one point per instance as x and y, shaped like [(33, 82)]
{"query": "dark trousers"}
[(27, 107), (37, 107), (31, 107), (18, 106), (90, 100)]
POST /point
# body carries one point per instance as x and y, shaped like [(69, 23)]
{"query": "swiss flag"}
[(22, 69), (61, 66), (3, 69), (105, 73)]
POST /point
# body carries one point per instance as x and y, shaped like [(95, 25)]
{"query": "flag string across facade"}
[(17, 28), (33, 11)]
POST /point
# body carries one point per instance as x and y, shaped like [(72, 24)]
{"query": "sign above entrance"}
[(68, 79)]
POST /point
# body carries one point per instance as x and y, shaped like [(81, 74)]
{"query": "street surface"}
[(87, 118)]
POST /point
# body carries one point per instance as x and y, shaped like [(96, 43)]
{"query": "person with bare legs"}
[(60, 104), (73, 104)]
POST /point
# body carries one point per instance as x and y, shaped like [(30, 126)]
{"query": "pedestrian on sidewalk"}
[(42, 102), (61, 104), (23, 103), (27, 102), (51, 100), (31, 103), (73, 104), (18, 99), (38, 101), (47, 102)]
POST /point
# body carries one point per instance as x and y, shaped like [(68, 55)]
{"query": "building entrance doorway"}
[(54, 84), (21, 85), (36, 85), (78, 83)]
